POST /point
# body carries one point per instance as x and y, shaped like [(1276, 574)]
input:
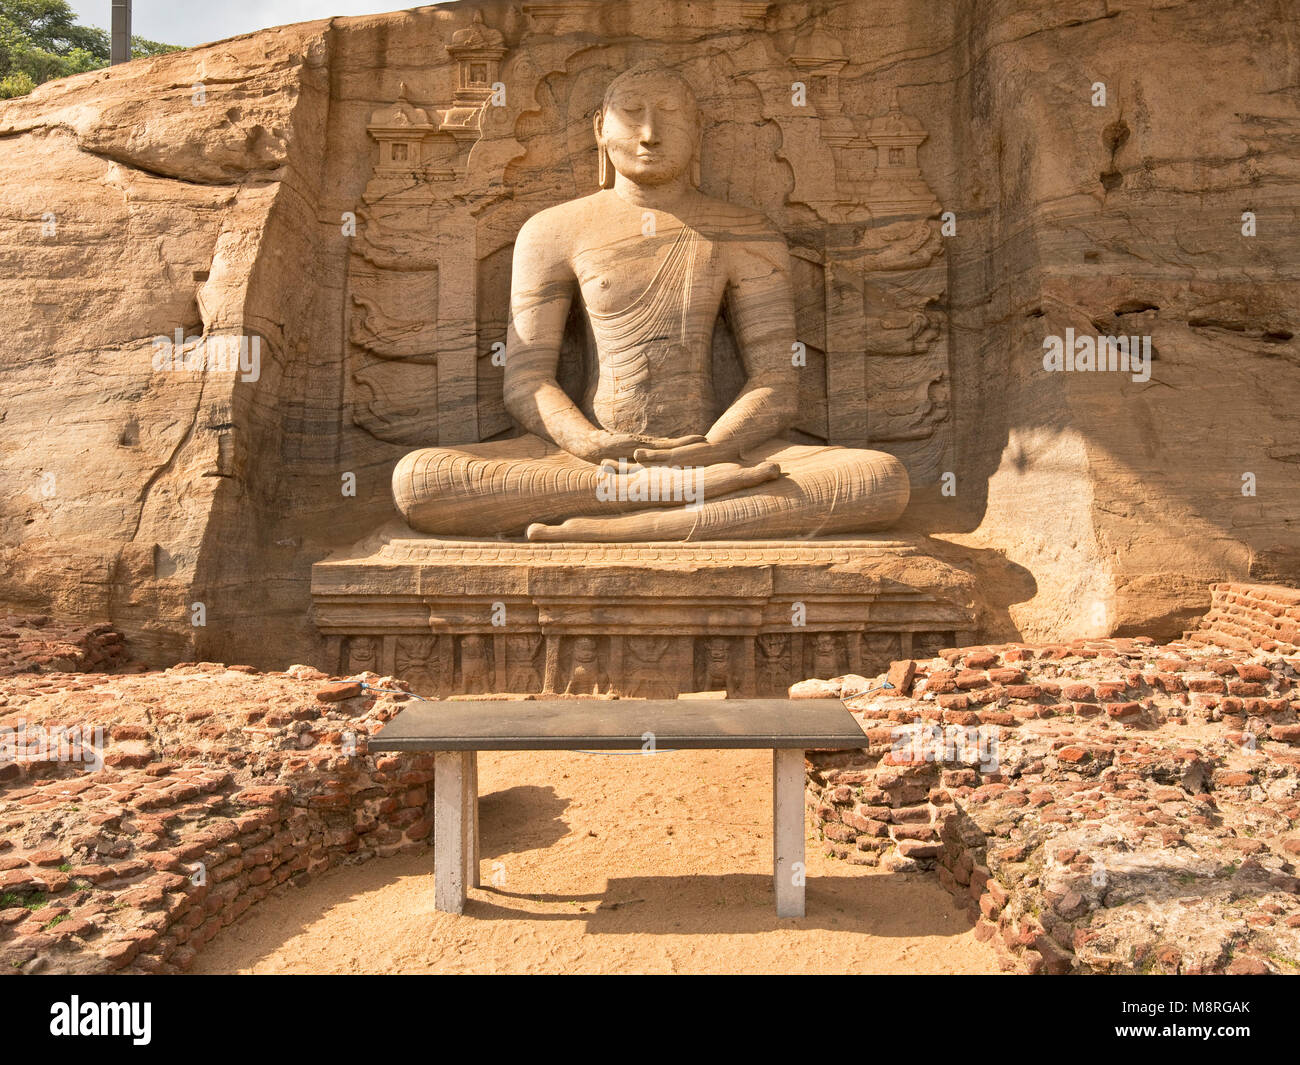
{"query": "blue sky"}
[(190, 22)]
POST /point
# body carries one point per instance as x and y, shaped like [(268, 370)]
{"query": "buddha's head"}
[(648, 128)]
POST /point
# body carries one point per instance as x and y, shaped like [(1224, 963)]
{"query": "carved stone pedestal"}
[(454, 616)]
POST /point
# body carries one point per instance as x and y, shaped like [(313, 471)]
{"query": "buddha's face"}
[(649, 129)]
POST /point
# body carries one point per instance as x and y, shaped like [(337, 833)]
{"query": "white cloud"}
[(190, 22)]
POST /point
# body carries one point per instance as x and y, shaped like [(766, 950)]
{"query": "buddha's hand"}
[(698, 453), (666, 443), (603, 446)]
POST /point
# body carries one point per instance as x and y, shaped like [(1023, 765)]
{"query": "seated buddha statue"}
[(643, 457)]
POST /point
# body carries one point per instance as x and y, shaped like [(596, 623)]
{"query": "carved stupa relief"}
[(884, 331), (413, 330)]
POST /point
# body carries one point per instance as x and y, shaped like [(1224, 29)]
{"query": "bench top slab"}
[(620, 724)]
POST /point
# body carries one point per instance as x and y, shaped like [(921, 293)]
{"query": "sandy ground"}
[(599, 864)]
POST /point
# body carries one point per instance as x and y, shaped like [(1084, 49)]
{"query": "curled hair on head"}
[(637, 72), (647, 69)]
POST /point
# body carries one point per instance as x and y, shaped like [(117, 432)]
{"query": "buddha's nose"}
[(650, 131)]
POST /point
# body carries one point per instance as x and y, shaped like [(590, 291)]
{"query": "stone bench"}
[(457, 731)]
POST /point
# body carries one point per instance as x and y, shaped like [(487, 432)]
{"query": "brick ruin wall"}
[(218, 785), (1099, 806), (1251, 616)]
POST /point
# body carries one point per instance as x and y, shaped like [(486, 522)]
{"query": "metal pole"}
[(121, 47)]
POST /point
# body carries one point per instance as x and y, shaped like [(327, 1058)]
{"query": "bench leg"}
[(788, 832), (451, 824), (471, 830)]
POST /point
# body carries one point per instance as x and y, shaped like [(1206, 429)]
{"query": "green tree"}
[(40, 40)]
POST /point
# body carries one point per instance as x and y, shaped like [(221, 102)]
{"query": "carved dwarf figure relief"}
[(652, 261), (647, 676), (717, 664), (363, 654), (521, 662), (474, 669), (415, 663), (826, 656), (773, 661), (585, 678)]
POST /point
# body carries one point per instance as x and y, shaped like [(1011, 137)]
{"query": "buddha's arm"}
[(760, 304), (541, 289)]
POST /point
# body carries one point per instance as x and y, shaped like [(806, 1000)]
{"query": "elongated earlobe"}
[(695, 170), (604, 168)]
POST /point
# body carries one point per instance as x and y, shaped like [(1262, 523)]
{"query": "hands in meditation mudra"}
[(652, 260)]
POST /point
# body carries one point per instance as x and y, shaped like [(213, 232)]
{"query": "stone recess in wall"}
[(452, 181), (444, 200)]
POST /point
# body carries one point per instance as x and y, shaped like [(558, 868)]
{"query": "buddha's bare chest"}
[(676, 278)]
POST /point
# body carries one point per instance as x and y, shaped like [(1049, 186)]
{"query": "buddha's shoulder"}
[(557, 224), (561, 217), (735, 217)]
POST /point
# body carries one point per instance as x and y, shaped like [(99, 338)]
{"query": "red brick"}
[(336, 693), (1243, 687), (1168, 682), (264, 796), (901, 675), (47, 858)]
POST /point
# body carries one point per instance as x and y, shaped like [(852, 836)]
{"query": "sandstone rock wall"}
[(1125, 499), (1114, 503), (146, 201)]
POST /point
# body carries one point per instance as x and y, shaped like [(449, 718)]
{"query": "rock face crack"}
[(122, 160), (166, 466)]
